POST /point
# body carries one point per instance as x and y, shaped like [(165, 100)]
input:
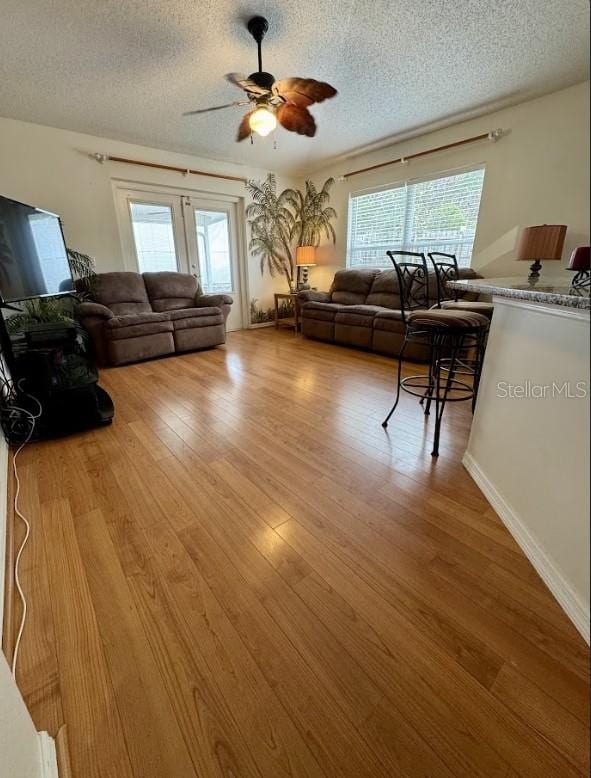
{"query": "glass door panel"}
[(213, 245), (153, 235)]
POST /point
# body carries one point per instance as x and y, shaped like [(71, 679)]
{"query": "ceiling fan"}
[(285, 101)]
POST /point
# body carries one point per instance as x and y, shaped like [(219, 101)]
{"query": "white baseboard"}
[(48, 756), (567, 597)]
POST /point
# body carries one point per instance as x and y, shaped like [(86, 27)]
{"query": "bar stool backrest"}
[(446, 269), (413, 280)]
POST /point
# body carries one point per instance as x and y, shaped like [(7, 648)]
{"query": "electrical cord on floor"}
[(14, 416)]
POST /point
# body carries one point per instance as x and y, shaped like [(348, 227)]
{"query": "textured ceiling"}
[(127, 69)]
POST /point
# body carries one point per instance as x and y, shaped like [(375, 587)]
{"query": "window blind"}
[(439, 214)]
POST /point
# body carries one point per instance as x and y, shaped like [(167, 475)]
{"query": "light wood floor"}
[(246, 576)]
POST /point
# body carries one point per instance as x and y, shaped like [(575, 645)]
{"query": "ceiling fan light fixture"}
[(262, 121), (284, 101)]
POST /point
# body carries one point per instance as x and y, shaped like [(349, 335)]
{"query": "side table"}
[(292, 323)]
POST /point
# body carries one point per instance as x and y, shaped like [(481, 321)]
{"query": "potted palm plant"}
[(55, 309)]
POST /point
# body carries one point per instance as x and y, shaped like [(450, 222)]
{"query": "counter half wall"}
[(529, 445)]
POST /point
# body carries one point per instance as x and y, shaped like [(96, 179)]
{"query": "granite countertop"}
[(553, 291)]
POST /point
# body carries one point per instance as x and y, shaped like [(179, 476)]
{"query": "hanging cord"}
[(16, 416)]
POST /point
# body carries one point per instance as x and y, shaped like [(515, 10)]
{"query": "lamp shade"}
[(579, 259), (544, 241), (305, 255)]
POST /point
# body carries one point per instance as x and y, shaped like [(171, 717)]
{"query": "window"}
[(213, 241), (153, 235), (439, 214)]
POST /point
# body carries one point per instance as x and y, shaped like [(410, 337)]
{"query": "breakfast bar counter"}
[(532, 418), (555, 291)]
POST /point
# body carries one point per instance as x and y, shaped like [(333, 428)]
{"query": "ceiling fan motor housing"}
[(262, 79)]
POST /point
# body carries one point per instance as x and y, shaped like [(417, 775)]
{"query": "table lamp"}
[(542, 242), (305, 258), (580, 264)]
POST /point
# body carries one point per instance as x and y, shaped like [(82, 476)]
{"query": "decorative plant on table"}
[(281, 222), (55, 309), (83, 268)]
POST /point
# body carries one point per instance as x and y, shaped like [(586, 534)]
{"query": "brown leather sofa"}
[(362, 309), (131, 317)]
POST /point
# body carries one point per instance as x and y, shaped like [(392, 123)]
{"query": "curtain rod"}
[(184, 170), (494, 135)]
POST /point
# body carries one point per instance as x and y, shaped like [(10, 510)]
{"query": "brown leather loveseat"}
[(131, 317), (362, 309)]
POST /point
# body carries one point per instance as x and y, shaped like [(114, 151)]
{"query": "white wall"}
[(52, 169), (537, 174), (20, 754)]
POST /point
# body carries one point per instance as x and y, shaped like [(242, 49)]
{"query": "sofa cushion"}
[(124, 293), (385, 290), (193, 313), (198, 322), (136, 325), (351, 287), (130, 320), (388, 321), (170, 291), (368, 311), (321, 311), (358, 315)]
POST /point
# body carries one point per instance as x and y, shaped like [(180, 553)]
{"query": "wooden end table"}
[(290, 322)]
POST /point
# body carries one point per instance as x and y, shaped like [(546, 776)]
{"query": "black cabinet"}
[(53, 363)]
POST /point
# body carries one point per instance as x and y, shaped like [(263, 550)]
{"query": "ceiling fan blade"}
[(247, 84), (303, 91), (244, 127), (296, 119), (217, 107)]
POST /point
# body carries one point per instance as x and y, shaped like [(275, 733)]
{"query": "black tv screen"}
[(33, 260)]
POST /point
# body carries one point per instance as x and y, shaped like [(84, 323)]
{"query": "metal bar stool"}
[(450, 336), (446, 269)]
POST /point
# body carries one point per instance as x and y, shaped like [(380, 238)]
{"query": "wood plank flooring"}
[(245, 575)]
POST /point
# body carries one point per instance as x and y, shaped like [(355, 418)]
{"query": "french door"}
[(186, 233)]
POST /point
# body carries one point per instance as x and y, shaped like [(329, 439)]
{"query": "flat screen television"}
[(33, 259)]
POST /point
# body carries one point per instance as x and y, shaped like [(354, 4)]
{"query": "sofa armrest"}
[(217, 300), (94, 309), (311, 295)]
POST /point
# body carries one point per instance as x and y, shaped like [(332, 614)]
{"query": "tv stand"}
[(51, 362)]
